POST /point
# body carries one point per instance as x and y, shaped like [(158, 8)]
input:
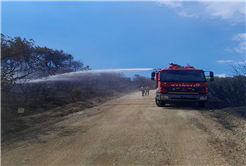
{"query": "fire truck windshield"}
[(182, 76)]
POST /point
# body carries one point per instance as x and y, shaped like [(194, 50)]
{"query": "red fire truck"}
[(180, 83)]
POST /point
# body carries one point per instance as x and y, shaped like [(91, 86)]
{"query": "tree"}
[(77, 65), (53, 60), (21, 60), (17, 59)]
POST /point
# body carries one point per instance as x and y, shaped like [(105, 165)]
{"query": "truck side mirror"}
[(211, 76), (153, 75)]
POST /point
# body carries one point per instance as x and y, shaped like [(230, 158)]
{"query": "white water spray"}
[(73, 75)]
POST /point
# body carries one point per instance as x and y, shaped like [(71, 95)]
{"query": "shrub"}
[(230, 90)]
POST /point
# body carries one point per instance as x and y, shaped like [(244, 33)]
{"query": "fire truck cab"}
[(180, 83)]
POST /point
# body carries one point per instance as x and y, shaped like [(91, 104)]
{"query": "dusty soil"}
[(132, 130), (14, 125)]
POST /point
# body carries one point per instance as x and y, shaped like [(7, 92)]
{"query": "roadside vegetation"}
[(22, 61), (229, 91)]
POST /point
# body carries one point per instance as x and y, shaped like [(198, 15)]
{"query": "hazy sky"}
[(105, 35)]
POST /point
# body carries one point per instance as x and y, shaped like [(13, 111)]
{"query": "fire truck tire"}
[(160, 103), (201, 104)]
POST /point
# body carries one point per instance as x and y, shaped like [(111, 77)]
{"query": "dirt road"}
[(130, 130)]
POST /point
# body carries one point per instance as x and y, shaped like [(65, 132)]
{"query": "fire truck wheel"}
[(201, 104), (159, 103)]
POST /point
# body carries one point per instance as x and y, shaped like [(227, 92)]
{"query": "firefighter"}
[(147, 90), (142, 89)]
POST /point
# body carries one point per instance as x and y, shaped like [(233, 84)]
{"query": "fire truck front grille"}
[(176, 98)]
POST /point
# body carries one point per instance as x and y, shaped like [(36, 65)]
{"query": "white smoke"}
[(74, 75)]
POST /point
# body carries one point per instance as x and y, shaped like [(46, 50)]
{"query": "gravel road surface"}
[(130, 130)]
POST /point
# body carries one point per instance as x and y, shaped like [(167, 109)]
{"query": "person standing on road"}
[(147, 90), (142, 89)]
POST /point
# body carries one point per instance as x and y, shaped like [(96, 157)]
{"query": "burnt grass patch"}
[(229, 117), (228, 133)]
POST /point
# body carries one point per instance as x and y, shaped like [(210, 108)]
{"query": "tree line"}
[(21, 59)]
